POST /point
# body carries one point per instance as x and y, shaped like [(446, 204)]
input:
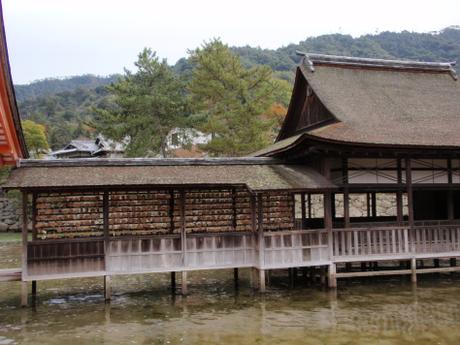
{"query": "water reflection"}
[(144, 311)]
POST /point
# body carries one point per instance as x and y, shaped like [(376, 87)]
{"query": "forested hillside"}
[(66, 106)]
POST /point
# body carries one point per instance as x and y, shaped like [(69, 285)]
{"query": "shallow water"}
[(143, 311)]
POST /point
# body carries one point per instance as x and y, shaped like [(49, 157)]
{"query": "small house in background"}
[(185, 143), (91, 148)]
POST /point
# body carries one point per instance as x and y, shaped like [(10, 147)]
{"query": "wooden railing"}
[(55, 257), (433, 239), (165, 253), (396, 241), (294, 248), (364, 242)]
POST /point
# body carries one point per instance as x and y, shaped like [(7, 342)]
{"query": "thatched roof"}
[(380, 102), (256, 175)]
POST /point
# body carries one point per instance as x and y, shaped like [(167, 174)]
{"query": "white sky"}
[(49, 38)]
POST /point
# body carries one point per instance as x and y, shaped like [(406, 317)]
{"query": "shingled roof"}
[(374, 101), (255, 174)]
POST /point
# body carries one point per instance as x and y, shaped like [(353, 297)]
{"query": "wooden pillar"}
[(410, 202), (105, 217), (328, 219), (413, 268), (173, 282), (234, 213), (374, 204), (450, 192), (332, 279), (262, 280), (34, 288), (107, 287), (260, 237), (368, 204), (34, 216), (399, 194), (346, 195), (184, 283), (183, 238), (309, 205), (24, 292), (304, 211), (171, 211), (235, 277)]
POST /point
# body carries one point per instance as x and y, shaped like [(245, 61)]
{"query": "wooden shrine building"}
[(366, 169), (12, 143)]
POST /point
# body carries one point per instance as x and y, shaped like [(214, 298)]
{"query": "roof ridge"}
[(147, 161), (311, 58)]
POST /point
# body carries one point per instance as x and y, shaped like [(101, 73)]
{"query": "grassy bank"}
[(10, 237)]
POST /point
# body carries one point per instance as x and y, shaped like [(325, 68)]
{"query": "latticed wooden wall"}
[(137, 213)]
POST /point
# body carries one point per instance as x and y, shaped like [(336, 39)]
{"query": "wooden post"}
[(374, 204), (173, 282), (34, 216), (368, 204), (184, 283), (262, 280), (24, 292), (328, 220), (413, 268), (450, 192), (107, 288), (332, 279), (346, 195), (183, 237), (304, 212), (235, 277), (410, 201), (399, 194), (260, 237), (34, 288), (105, 216)]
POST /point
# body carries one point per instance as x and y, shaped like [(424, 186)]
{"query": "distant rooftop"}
[(310, 59)]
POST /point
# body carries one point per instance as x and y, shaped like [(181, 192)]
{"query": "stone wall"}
[(68, 215), (10, 215)]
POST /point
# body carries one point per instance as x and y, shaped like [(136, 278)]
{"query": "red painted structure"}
[(12, 143)]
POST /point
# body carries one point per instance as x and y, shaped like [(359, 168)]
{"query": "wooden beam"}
[(450, 192), (24, 292), (304, 213), (171, 211), (374, 204), (34, 216), (183, 233), (234, 213), (346, 193), (105, 217), (260, 241)]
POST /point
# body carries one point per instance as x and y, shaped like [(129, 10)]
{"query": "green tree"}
[(148, 104), (232, 99), (35, 136)]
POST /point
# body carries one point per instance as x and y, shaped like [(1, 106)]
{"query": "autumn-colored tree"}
[(231, 99), (35, 137)]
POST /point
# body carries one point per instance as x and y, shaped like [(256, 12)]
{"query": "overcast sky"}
[(49, 38)]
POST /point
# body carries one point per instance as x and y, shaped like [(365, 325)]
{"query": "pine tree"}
[(232, 100), (149, 103)]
